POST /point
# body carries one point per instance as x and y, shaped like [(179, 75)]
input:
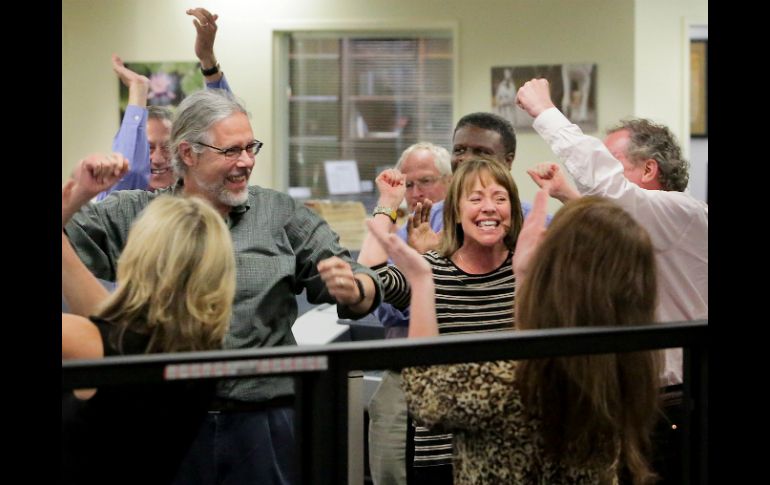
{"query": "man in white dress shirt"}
[(639, 166)]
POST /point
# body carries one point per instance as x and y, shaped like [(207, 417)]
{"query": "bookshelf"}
[(364, 99)]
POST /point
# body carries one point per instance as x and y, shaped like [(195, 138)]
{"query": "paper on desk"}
[(342, 177)]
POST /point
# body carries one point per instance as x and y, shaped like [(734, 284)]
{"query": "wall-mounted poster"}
[(573, 90), (170, 82)]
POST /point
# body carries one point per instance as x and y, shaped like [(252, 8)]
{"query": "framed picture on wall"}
[(573, 90), (170, 82), (699, 88)]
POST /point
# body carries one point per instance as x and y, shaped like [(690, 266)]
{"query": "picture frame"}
[(573, 89), (699, 88), (170, 82)]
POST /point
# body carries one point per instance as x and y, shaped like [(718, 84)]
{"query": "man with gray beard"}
[(281, 248)]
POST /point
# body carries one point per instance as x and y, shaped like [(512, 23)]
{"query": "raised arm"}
[(91, 175), (80, 289), (131, 139), (82, 292), (531, 235), (595, 171), (138, 85), (422, 319), (205, 24), (391, 186)]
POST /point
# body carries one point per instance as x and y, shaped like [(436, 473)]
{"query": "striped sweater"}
[(465, 303)]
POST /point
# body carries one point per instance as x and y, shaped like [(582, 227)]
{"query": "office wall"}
[(490, 33), (661, 55)]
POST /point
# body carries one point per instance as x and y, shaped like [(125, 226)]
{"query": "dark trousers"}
[(235, 447)]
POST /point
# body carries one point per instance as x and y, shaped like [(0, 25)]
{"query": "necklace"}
[(464, 264), (460, 258)]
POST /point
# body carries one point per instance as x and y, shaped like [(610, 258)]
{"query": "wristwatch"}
[(360, 290), (385, 210), (210, 71)]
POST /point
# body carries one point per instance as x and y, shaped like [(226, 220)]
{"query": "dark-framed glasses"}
[(233, 153)]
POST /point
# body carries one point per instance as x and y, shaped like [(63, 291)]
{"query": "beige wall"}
[(612, 33), (661, 61)]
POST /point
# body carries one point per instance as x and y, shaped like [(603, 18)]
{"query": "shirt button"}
[(136, 117)]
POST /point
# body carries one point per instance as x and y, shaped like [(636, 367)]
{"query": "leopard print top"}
[(495, 440)]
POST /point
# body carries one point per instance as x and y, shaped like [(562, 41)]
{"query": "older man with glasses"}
[(281, 248), (427, 173)]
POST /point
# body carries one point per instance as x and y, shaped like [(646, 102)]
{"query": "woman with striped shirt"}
[(472, 274), (574, 420)]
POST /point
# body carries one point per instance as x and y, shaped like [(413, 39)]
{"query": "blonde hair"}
[(175, 278), (596, 267), (464, 177)]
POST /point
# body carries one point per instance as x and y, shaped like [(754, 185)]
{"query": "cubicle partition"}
[(323, 374)]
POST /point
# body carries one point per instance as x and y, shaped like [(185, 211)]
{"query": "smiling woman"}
[(472, 274), (486, 213)]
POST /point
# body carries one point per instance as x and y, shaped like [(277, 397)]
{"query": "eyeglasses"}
[(422, 183), (233, 153)]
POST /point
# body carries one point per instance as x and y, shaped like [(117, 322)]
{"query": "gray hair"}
[(195, 116), (440, 156), (651, 140), (159, 113)]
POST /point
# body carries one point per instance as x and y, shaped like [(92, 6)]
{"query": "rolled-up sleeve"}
[(313, 240)]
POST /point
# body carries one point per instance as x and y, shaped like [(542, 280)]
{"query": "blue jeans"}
[(242, 447)]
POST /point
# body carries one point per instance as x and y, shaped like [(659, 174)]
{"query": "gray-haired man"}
[(281, 248)]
